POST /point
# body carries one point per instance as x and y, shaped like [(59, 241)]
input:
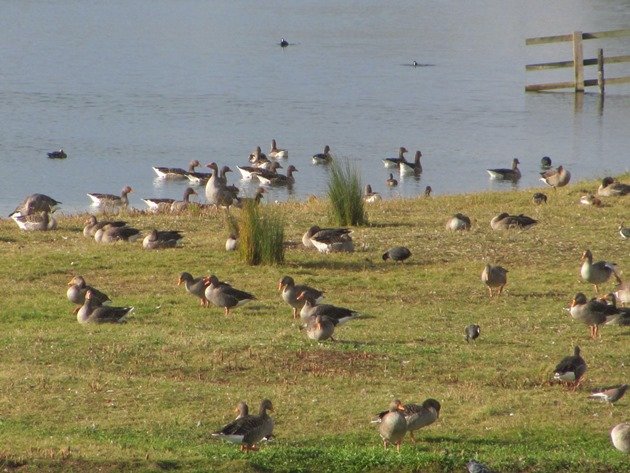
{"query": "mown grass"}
[(145, 396)]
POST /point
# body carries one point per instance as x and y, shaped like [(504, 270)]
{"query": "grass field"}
[(146, 395)]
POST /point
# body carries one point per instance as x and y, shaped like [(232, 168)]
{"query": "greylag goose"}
[(78, 288), (555, 178), (156, 240), (397, 253), (494, 277), (338, 315), (472, 332), (619, 315), (92, 225), (393, 425), (622, 293), (597, 273), (407, 168), (257, 156), (111, 200), (328, 240), (539, 198), (248, 172), (590, 199), (60, 154), (90, 312), (182, 205), (217, 193), (36, 203), (223, 295), (391, 182), (175, 173), (620, 436), (458, 222), (194, 286), (323, 158), (278, 179), (421, 415), (320, 328), (610, 394), (231, 243), (513, 174), (571, 368), (612, 188), (592, 313), (505, 221), (277, 153), (111, 234), (250, 429), (166, 204), (41, 221), (392, 163), (369, 196), (290, 292)]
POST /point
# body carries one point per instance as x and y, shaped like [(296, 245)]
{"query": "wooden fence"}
[(578, 62)]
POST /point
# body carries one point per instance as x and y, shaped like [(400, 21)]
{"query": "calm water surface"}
[(123, 86)]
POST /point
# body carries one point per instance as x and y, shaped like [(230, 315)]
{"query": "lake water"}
[(123, 86)]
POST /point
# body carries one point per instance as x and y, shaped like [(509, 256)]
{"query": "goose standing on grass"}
[(612, 188), (36, 203), (78, 288), (60, 154), (277, 153), (182, 205), (91, 312), (513, 174), (539, 198), (592, 313), (555, 178), (223, 295), (249, 429), (406, 168), (217, 192), (320, 328), (156, 240), (622, 293), (391, 182), (505, 221), (175, 173), (619, 315), (421, 415), (194, 286), (290, 292), (393, 425), (392, 163), (458, 222), (92, 225), (597, 273), (494, 277), (42, 221), (610, 394), (620, 436), (397, 253), (571, 368), (111, 200), (338, 315), (111, 234), (369, 196), (323, 158)]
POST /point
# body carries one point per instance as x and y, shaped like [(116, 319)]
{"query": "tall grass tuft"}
[(346, 195), (261, 234)]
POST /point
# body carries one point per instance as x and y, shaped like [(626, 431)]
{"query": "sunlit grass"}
[(345, 195)]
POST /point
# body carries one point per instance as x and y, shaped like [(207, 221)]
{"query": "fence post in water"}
[(578, 61), (600, 70)]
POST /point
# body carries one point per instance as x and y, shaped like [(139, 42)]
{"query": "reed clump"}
[(261, 234), (345, 195)]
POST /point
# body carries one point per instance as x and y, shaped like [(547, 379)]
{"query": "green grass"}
[(261, 233), (346, 205), (145, 396)]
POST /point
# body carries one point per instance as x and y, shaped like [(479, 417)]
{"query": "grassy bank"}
[(145, 396)]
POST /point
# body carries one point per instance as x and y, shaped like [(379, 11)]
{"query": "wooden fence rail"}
[(578, 83)]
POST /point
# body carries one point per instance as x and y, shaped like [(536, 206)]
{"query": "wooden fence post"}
[(600, 70), (578, 61)]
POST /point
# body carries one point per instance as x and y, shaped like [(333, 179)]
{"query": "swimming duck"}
[(91, 312), (558, 177), (539, 198), (78, 288), (257, 156), (370, 196), (283, 43), (592, 313), (42, 221), (278, 179), (397, 253), (320, 328), (513, 174), (610, 394), (394, 162), (393, 425), (60, 154), (505, 221), (250, 429), (222, 295), (35, 203), (421, 415), (494, 277), (175, 173), (92, 225), (156, 240), (323, 158), (458, 222), (329, 240), (472, 332), (290, 292), (620, 436), (391, 182), (277, 153), (612, 188), (111, 234), (111, 200), (597, 273), (571, 368), (194, 286), (406, 168)]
